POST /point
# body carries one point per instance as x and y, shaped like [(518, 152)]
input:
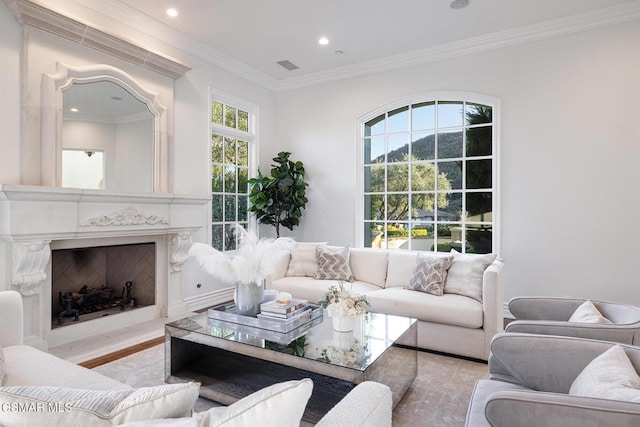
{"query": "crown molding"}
[(125, 14), (32, 14), (548, 29)]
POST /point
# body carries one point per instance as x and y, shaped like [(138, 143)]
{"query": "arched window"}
[(429, 174)]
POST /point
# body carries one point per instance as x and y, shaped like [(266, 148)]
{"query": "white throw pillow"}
[(303, 261), (465, 274), (58, 406), (279, 405), (2, 366), (430, 273), (333, 264), (609, 376), (588, 313), (165, 422)]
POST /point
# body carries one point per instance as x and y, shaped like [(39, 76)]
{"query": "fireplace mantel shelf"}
[(53, 213)]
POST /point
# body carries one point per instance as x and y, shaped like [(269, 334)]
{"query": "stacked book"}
[(292, 314)]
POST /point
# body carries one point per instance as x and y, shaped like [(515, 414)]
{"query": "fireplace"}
[(84, 229), (93, 282)]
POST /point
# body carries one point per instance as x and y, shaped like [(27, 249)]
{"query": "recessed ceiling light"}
[(323, 41), (459, 4), (73, 110), (116, 98), (338, 52), (172, 12)]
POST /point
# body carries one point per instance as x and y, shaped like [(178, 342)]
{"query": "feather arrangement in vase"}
[(252, 261)]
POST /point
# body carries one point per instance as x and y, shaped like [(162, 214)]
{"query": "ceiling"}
[(259, 33)]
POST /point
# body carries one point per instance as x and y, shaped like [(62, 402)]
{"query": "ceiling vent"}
[(290, 66)]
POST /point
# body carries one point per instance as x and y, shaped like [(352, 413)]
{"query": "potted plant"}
[(278, 198)]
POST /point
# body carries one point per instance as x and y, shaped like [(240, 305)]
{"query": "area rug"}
[(438, 397)]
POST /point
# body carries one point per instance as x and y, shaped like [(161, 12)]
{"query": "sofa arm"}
[(544, 308), (520, 408), (368, 404), (593, 331), (492, 302), (10, 318), (519, 358)]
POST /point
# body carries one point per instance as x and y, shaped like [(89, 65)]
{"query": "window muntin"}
[(428, 172), (231, 166)]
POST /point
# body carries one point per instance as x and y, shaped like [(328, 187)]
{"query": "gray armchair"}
[(530, 377), (550, 315)]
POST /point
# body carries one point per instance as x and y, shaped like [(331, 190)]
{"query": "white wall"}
[(96, 136), (10, 39), (569, 153)]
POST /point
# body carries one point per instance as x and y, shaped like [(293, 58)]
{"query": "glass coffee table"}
[(232, 360)]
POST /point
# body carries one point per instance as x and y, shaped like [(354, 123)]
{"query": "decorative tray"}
[(228, 313), (249, 334)]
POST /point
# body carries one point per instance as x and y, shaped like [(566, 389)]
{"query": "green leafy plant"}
[(278, 198)]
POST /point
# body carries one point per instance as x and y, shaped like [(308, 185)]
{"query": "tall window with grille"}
[(429, 174), (232, 137)]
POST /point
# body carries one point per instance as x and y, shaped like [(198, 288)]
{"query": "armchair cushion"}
[(588, 313), (609, 376)]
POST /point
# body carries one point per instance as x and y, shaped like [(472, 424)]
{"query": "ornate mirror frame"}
[(52, 117)]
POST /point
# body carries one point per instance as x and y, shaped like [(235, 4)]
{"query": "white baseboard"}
[(209, 299)]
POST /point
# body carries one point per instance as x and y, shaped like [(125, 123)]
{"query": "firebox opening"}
[(89, 283)]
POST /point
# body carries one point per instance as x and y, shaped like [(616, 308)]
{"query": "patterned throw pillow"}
[(333, 265), (76, 407), (430, 273)]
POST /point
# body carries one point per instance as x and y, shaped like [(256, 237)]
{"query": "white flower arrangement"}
[(341, 302), (354, 356), (251, 262)]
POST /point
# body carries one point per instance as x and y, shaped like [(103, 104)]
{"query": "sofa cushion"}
[(451, 309), (303, 262), (369, 265), (588, 313), (60, 406), (333, 264), (26, 365), (429, 274), (313, 290), (278, 405), (609, 376), (465, 274)]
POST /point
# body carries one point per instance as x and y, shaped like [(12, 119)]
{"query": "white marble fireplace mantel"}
[(36, 219)]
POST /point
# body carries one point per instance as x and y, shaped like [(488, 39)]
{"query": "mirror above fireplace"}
[(100, 108)]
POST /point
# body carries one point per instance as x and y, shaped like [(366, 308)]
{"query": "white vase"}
[(248, 297), (343, 323)]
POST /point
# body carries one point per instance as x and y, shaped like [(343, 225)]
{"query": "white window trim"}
[(474, 97), (252, 137)]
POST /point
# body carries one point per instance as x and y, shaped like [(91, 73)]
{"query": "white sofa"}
[(449, 323), (368, 404)]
